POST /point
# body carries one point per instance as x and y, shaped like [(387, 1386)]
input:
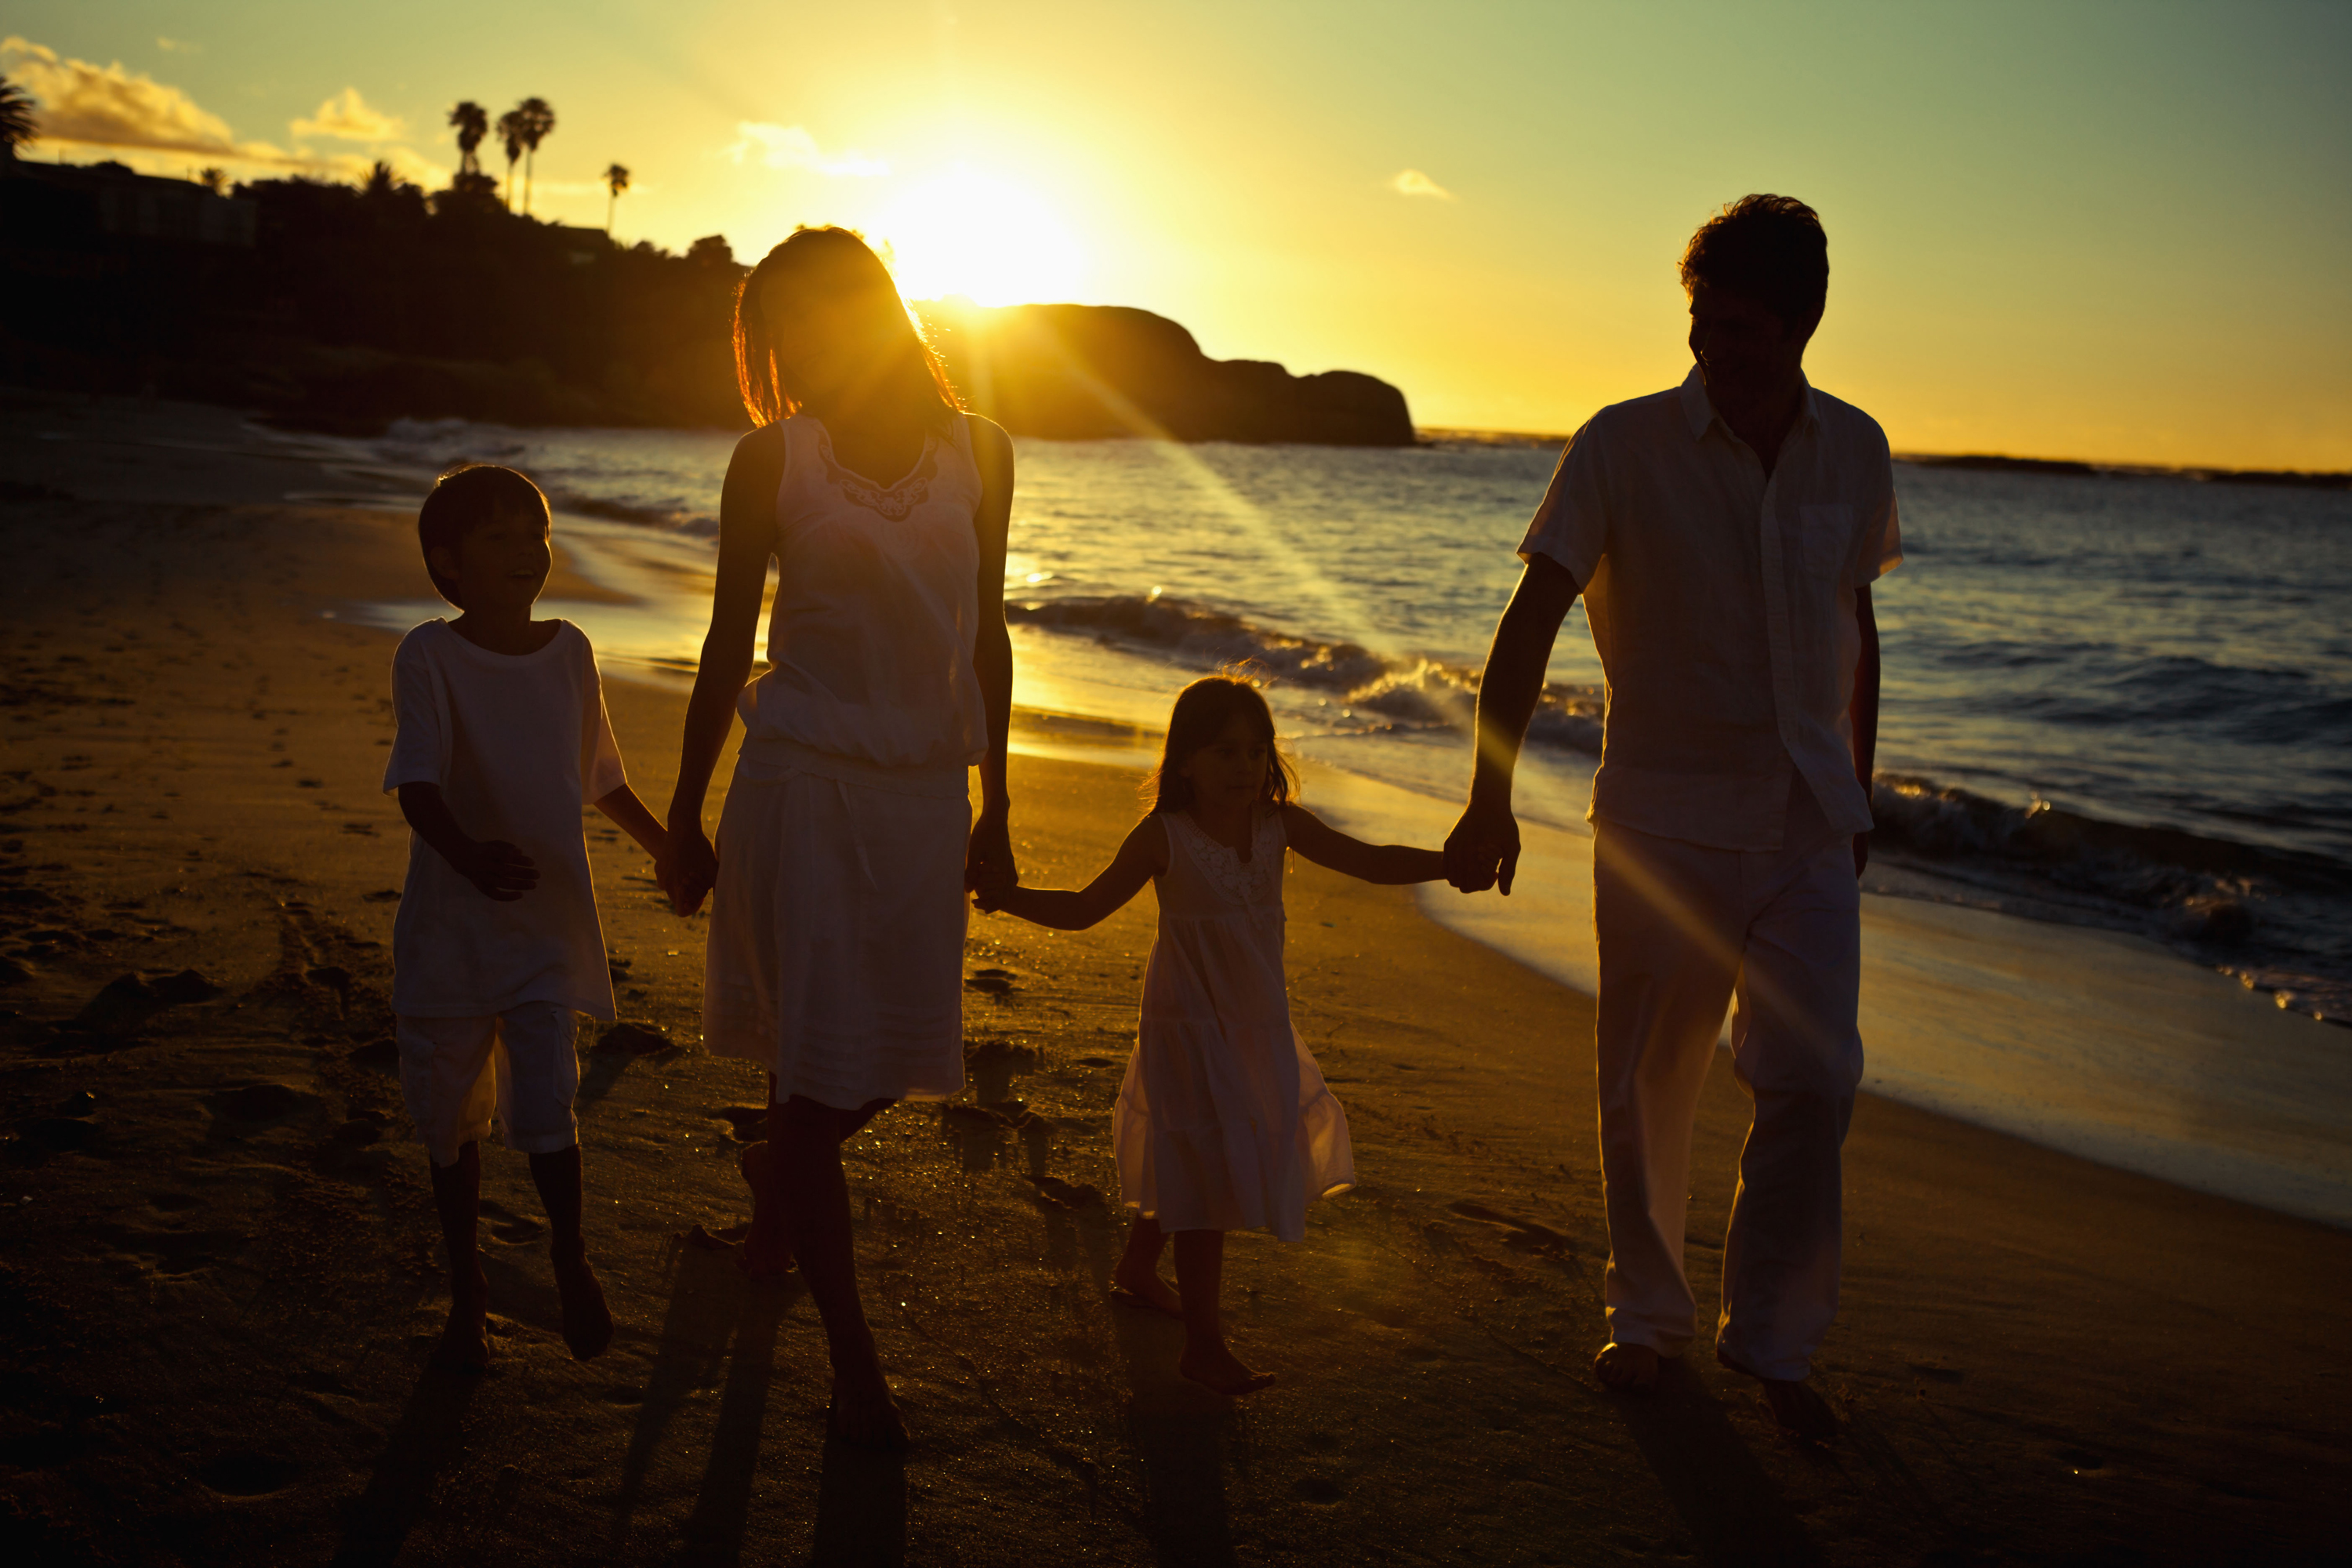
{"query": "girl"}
[(1223, 1122), (836, 940)]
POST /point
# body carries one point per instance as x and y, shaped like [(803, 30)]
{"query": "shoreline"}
[(227, 1282)]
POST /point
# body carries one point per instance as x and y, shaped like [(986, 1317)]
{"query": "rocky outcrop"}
[(1087, 371)]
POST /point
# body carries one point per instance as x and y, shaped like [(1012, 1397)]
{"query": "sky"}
[(2114, 232)]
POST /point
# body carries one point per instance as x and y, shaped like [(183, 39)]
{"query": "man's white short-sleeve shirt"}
[(517, 744), (1723, 607)]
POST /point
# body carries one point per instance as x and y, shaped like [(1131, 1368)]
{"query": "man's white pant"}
[(1683, 929)]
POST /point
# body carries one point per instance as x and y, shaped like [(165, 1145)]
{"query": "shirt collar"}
[(1698, 409)]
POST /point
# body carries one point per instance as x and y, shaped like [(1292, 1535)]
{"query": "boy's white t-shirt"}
[(517, 744)]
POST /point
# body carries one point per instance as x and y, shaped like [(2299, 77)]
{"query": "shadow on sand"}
[(1734, 1513), (428, 1440)]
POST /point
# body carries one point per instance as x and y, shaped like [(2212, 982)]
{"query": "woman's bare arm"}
[(1390, 865), (1142, 857), (747, 536), (990, 855)]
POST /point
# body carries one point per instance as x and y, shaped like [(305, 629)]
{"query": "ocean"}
[(2118, 703)]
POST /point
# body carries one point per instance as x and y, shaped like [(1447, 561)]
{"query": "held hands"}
[(1483, 850), (690, 870), (989, 872), (501, 871)]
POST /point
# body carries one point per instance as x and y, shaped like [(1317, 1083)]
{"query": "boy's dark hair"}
[(1202, 710), (466, 496), (1770, 249)]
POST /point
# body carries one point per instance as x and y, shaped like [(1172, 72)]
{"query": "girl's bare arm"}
[(747, 533), (1389, 865), (1142, 857)]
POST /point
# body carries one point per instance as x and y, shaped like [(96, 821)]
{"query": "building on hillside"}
[(110, 199)]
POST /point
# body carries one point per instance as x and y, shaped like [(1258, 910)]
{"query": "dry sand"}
[(220, 1274)]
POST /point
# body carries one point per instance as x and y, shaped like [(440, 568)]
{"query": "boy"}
[(503, 734)]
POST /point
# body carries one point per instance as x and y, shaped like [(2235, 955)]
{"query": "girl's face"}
[(1228, 775), (826, 341)]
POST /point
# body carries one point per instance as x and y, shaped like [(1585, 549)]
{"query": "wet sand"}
[(216, 1306)]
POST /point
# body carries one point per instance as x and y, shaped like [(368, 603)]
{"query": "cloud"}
[(1414, 182), (179, 46), (348, 118), (790, 147), (158, 129)]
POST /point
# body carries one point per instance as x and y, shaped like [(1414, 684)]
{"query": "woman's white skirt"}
[(835, 956)]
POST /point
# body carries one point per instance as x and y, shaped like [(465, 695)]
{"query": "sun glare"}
[(993, 242)]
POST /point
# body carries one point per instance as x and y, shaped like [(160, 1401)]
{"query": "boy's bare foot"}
[(767, 1256), (1801, 1411), (587, 1320), (1145, 1288), (1221, 1370), (464, 1346), (1625, 1367), (863, 1415)]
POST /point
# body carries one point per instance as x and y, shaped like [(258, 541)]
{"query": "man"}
[(1724, 534)]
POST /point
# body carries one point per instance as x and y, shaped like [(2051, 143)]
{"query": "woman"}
[(846, 843)]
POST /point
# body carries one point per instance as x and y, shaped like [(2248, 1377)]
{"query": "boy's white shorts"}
[(520, 1065)]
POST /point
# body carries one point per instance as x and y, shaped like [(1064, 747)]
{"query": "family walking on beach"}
[(1723, 533)]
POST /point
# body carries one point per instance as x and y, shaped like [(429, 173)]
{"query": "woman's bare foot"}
[(587, 1320), (464, 1346), (767, 1256), (1801, 1411), (1221, 1370), (1144, 1288), (863, 1415), (1625, 1367)]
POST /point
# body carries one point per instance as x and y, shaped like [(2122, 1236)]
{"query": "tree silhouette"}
[(215, 180), (510, 137), (473, 123), (18, 125), (533, 120), (617, 180)]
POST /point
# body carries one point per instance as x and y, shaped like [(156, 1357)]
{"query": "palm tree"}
[(215, 180), (616, 179), (473, 123), (18, 125), (510, 137), (533, 120)]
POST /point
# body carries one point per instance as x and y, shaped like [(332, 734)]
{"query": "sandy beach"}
[(219, 1272)]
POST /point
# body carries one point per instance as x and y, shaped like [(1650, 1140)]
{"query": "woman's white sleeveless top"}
[(870, 642)]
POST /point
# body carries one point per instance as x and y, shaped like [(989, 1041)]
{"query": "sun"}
[(975, 235)]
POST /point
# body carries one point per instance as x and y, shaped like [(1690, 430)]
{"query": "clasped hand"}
[(1483, 850)]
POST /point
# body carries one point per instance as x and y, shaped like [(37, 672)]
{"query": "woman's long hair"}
[(907, 379), (1202, 711)]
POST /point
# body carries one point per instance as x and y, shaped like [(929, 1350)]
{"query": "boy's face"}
[(501, 566), (1229, 773)]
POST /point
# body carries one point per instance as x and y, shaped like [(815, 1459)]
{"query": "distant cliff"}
[(1086, 371)]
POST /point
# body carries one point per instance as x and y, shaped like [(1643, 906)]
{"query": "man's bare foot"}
[(1144, 1288), (464, 1346), (863, 1415), (1221, 1370), (1800, 1413), (767, 1256), (587, 1320), (1625, 1367)]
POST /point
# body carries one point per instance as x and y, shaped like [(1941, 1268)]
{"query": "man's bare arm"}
[(1863, 711), (1484, 849)]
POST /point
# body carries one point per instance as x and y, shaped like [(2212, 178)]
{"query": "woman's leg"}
[(1136, 1280), (804, 1141), (767, 1254), (1199, 1275)]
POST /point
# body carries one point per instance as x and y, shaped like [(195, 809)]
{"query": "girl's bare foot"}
[(1221, 1370), (1801, 1411), (1144, 1288), (464, 1346), (863, 1415), (587, 1320), (767, 1256), (1625, 1367)]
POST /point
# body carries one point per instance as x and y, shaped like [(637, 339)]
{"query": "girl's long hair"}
[(908, 378), (1202, 711)]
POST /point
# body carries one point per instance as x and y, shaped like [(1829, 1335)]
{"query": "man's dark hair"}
[(466, 496), (1770, 249)]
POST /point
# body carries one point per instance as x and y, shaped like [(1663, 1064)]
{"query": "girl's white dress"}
[(1224, 1122), (838, 926)]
